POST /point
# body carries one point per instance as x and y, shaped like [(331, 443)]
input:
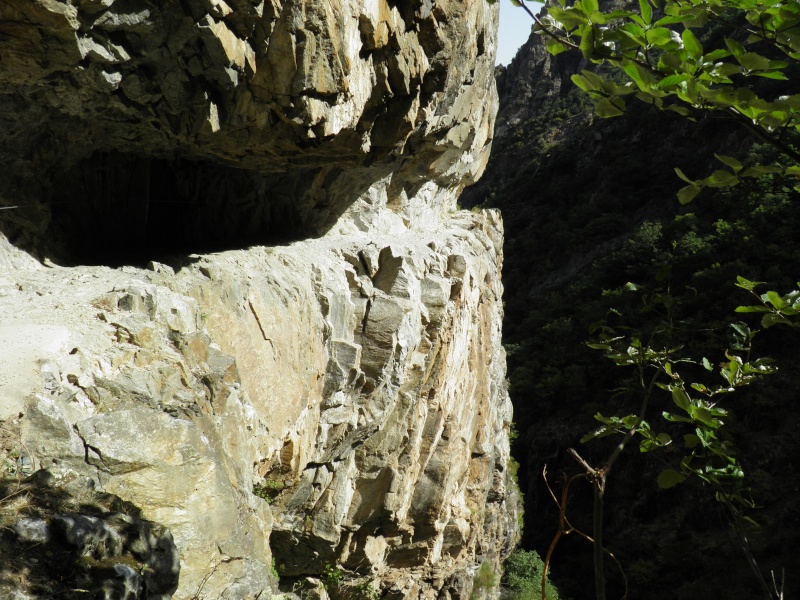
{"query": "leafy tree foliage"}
[(524, 576), (694, 58), (749, 232)]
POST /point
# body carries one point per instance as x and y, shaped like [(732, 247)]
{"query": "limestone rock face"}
[(212, 120), (354, 383), (245, 335)]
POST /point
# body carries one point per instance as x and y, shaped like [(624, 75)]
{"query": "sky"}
[(515, 27)]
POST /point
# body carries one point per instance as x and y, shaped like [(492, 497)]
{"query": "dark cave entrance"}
[(116, 208)]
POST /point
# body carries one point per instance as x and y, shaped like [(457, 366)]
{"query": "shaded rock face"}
[(105, 550), (204, 124), (332, 411)]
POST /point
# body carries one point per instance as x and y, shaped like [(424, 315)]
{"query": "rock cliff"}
[(247, 340), (203, 123)]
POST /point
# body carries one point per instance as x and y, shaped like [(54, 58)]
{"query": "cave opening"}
[(116, 208)]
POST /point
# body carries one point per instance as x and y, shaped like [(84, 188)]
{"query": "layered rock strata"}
[(358, 379), (204, 121), (330, 412)]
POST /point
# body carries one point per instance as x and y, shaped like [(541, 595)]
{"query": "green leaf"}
[(647, 11), (688, 193), (681, 110), (640, 76), (751, 522), (634, 32), (632, 421), (704, 415), (696, 17), (746, 283), (735, 47), (742, 330), (588, 6), (751, 309), (670, 20), (598, 434), (670, 62), (680, 398), (670, 478), (716, 55), (791, 37), (683, 176), (690, 440), (652, 443), (752, 61), (570, 18), (587, 41), (660, 37), (721, 178), (707, 364), (772, 75), (598, 346), (608, 421), (770, 319), (598, 82), (555, 47), (730, 161), (758, 170), (692, 44), (605, 108), (673, 80), (675, 418), (583, 82), (775, 299)]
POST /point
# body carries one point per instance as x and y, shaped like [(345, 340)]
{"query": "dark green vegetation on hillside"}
[(589, 206)]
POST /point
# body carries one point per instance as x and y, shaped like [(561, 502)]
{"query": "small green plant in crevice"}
[(268, 489), (522, 579), (365, 590), (513, 469), (485, 580), (274, 570), (332, 576)]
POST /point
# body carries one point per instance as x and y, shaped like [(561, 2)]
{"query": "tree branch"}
[(764, 135)]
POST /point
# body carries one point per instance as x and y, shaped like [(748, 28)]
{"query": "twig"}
[(778, 592), (736, 522), (562, 520), (566, 528)]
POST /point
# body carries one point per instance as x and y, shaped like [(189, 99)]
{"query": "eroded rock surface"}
[(332, 411), (358, 379), (204, 121)]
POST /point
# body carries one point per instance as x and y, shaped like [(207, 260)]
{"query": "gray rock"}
[(127, 585), (90, 535), (32, 530)]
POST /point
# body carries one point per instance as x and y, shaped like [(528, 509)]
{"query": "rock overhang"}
[(259, 117)]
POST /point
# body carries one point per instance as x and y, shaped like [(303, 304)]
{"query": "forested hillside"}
[(595, 234)]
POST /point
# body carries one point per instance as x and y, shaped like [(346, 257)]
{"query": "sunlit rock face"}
[(243, 326)]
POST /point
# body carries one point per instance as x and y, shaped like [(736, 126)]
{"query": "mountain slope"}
[(589, 205)]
